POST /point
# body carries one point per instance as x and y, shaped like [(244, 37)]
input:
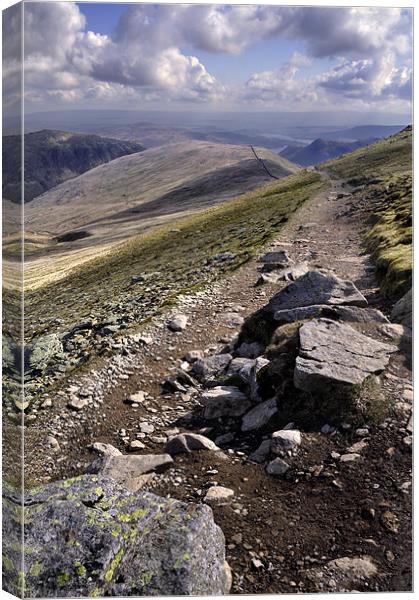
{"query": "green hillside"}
[(384, 172)]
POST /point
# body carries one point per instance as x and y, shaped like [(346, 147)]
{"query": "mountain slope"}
[(384, 170), (199, 172), (52, 157), (363, 132), (320, 150)]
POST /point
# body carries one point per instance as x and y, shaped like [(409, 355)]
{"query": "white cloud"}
[(150, 56)]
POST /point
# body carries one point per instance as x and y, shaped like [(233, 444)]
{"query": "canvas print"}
[(207, 299)]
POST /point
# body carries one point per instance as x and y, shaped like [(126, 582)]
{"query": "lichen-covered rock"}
[(89, 537), (336, 353), (43, 351)]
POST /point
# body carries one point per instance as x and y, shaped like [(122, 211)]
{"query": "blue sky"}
[(248, 57)]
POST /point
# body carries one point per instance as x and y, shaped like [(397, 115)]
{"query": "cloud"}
[(151, 55)]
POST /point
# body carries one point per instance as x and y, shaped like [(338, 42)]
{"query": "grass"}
[(384, 170), (179, 253)]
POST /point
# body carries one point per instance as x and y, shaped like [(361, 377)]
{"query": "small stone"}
[(105, 449), (357, 448), (136, 398), (218, 495), (277, 467), (76, 403), (177, 322), (261, 454), (189, 442), (390, 521), (349, 458), (53, 443), (193, 355), (136, 445), (285, 439), (146, 427), (256, 563)]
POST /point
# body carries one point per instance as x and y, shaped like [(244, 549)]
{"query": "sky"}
[(212, 57)]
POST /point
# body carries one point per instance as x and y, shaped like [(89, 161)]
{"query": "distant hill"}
[(320, 151), (132, 193), (152, 135), (52, 157), (363, 132)]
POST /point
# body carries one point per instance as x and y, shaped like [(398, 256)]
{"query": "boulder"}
[(212, 366), (340, 313), (224, 401), (189, 442), (402, 310), (316, 287), (90, 537), (277, 259), (284, 440), (43, 351), (178, 322), (251, 350), (260, 415), (129, 470), (336, 353)]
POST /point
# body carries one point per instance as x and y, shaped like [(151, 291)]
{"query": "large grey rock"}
[(277, 467), (89, 537), (128, 470), (212, 366), (251, 350), (43, 351), (260, 415), (316, 287), (189, 442), (224, 401), (336, 353), (277, 259), (261, 453), (402, 310), (341, 313)]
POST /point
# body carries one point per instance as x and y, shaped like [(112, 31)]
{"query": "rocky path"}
[(281, 533)]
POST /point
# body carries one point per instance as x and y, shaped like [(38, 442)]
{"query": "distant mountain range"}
[(321, 151), (52, 157)]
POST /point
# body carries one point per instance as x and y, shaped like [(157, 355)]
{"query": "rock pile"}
[(299, 358)]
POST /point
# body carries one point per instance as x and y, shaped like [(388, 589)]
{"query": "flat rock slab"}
[(90, 537), (341, 313), (189, 442), (336, 353), (218, 494), (129, 470), (316, 287), (224, 401), (260, 415)]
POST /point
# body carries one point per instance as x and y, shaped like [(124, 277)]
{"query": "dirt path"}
[(288, 525)]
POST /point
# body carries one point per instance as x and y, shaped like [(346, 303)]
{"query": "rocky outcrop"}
[(402, 310), (88, 537), (336, 353)]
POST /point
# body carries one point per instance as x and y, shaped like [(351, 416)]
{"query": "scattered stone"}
[(53, 443), (105, 449), (260, 415), (136, 398), (252, 350), (218, 495), (257, 564), (285, 439), (136, 445), (278, 259), (189, 442), (390, 521), (129, 470), (177, 322), (77, 403), (333, 352), (224, 401), (277, 467), (342, 574), (146, 427), (350, 458), (232, 320), (177, 548), (193, 355), (357, 448), (212, 366)]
